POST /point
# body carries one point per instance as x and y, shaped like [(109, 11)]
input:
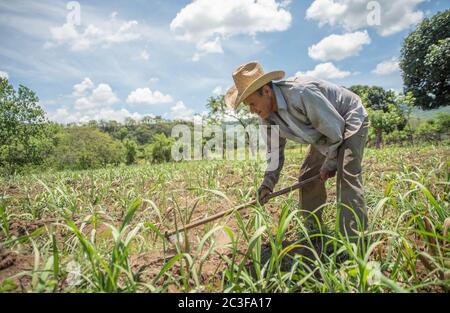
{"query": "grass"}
[(102, 230)]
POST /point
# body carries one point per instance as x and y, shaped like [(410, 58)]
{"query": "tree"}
[(374, 97), (24, 130), (130, 123), (388, 112), (219, 112), (161, 148), (425, 62), (93, 124), (143, 134), (131, 151), (386, 122), (85, 148)]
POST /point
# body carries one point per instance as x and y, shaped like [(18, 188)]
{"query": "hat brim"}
[(233, 98)]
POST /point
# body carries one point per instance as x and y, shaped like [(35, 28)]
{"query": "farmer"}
[(329, 118)]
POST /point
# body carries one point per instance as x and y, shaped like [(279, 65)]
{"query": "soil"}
[(20, 228), (12, 264)]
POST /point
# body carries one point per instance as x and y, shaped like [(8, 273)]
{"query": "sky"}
[(116, 59)]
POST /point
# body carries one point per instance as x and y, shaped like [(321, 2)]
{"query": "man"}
[(329, 118)]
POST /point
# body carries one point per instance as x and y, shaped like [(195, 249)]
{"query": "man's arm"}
[(324, 117), (275, 154)]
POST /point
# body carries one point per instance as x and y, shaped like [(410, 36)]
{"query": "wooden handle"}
[(240, 207)]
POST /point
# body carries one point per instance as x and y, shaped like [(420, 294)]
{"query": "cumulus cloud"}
[(65, 115), (146, 96), (100, 96), (207, 22), (339, 47), (79, 38), (181, 112), (80, 89), (203, 48), (386, 67), (326, 71), (4, 74), (386, 16), (95, 103)]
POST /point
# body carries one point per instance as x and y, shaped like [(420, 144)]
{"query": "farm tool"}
[(169, 235), (216, 216)]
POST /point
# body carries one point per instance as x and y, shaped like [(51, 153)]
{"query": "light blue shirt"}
[(316, 112)]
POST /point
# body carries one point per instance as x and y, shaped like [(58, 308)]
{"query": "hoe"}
[(169, 234)]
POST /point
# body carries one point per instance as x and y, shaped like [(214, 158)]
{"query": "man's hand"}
[(325, 174), (261, 194)]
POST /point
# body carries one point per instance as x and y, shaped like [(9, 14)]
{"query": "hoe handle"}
[(240, 207)]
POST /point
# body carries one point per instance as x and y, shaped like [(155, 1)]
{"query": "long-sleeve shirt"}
[(311, 111)]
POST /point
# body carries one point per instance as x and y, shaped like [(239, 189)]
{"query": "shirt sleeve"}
[(325, 119), (275, 155)]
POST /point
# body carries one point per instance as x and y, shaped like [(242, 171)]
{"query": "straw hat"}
[(247, 79)]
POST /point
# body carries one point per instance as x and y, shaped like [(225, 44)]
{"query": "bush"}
[(428, 131), (26, 137), (161, 148), (401, 137), (84, 148), (131, 148)]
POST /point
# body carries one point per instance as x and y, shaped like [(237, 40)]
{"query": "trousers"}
[(351, 206)]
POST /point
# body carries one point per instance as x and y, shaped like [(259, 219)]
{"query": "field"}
[(103, 230)]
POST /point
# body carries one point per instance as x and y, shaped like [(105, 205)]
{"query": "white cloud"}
[(103, 93), (80, 89), (217, 91), (386, 67), (394, 16), (4, 75), (181, 112), (100, 96), (203, 48), (206, 22), (146, 96), (79, 39), (326, 71), (64, 115), (339, 47)]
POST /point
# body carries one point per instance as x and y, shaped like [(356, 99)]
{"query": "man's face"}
[(261, 105)]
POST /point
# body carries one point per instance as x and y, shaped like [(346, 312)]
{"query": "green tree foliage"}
[(131, 151), (388, 112), (139, 131), (374, 97), (218, 112), (435, 129), (160, 149), (143, 134), (425, 62), (443, 122), (25, 134), (84, 147)]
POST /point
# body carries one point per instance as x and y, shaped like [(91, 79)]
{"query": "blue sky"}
[(116, 59)]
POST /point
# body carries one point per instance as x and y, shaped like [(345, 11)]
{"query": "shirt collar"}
[(281, 103)]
